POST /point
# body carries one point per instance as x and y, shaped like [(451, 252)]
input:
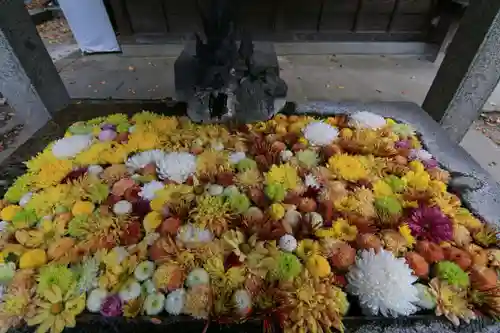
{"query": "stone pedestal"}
[(248, 107)]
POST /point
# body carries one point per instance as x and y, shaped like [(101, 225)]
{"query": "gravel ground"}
[(489, 125)]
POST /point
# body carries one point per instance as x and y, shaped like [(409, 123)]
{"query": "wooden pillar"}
[(470, 70), (28, 78)]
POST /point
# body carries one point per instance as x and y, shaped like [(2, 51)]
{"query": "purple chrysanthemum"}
[(430, 223), (112, 306), (403, 144), (430, 164)]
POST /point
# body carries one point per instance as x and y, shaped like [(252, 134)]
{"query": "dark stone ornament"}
[(223, 80)]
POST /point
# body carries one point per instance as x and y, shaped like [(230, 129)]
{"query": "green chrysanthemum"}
[(307, 158), (20, 187), (24, 219), (78, 226), (276, 192), (388, 207), (452, 273), (403, 130), (98, 192), (86, 275), (246, 164), (287, 267), (116, 118), (123, 127), (239, 203), (80, 129), (55, 274), (96, 121), (396, 184)]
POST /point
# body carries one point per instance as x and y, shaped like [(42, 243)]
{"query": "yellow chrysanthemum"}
[(464, 217), (57, 311), (94, 154), (166, 124), (212, 162), (211, 212), (221, 279), (152, 221), (45, 201), (285, 175), (143, 138), (8, 213), (347, 167), (172, 193), (41, 160), (82, 208), (405, 231), (277, 211), (340, 230), (417, 180), (307, 248), (382, 189), (52, 173), (115, 154)]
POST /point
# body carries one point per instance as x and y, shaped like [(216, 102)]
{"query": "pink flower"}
[(112, 306), (430, 223)]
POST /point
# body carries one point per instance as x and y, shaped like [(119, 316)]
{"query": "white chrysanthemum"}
[(320, 134), (215, 189), (148, 190), (234, 158), (122, 207), (25, 199), (286, 155), (130, 290), (148, 287), (120, 253), (87, 275), (175, 301), (365, 119), (191, 235), (95, 169), (3, 225), (288, 243), (177, 166), (154, 303), (425, 299), (197, 276), (420, 154), (144, 270), (95, 299), (242, 301), (311, 181), (383, 284), (70, 146), (140, 160), (151, 238)]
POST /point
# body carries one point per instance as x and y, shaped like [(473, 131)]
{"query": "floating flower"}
[(287, 267), (320, 133), (285, 174), (383, 283), (287, 243), (237, 157), (86, 273), (451, 273), (154, 304), (56, 310), (347, 167), (242, 301), (211, 212), (174, 304), (318, 266), (144, 270), (122, 207), (112, 306), (168, 277), (130, 290), (197, 276), (430, 223), (405, 231), (275, 191), (177, 166), (426, 299), (8, 213), (365, 119), (140, 160), (33, 259), (148, 190), (307, 248), (198, 301), (451, 303), (55, 275), (71, 146), (307, 158)]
